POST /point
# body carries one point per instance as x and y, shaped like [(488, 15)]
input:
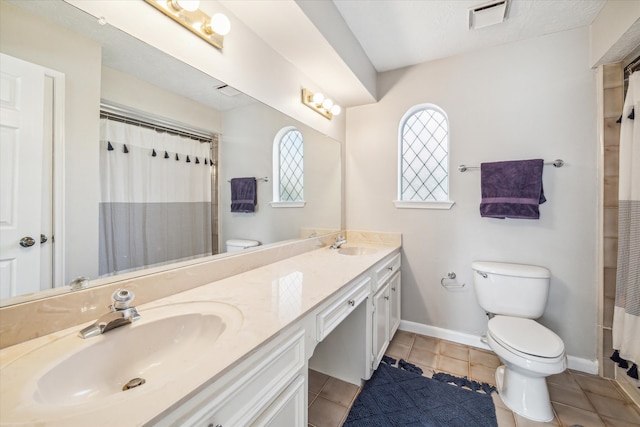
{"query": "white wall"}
[(615, 32), (35, 40), (530, 99), (246, 62), (132, 92), (246, 148)]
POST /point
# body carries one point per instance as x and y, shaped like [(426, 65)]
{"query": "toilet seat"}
[(526, 337)]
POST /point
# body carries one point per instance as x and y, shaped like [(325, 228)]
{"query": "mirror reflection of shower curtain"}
[(154, 209), (626, 318)]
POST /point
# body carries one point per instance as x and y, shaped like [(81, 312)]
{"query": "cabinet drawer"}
[(386, 269), (342, 306)]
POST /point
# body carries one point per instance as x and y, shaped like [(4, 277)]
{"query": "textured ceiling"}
[(388, 33), (399, 33)]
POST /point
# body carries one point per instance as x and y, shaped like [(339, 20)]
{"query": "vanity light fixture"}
[(318, 103), (187, 13)]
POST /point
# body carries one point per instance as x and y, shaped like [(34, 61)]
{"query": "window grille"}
[(424, 155), (288, 166)]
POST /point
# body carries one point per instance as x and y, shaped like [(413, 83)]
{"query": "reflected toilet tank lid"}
[(243, 243)]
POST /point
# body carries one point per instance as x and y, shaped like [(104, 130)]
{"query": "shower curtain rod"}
[(557, 163), (631, 67), (120, 113)]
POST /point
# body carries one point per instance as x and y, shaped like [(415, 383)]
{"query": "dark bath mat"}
[(397, 397)]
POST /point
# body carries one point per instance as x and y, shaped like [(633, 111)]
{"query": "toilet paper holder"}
[(449, 282)]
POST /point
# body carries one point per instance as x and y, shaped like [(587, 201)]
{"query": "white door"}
[(21, 142)]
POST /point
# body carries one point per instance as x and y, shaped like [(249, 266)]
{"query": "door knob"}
[(26, 242), (43, 239)]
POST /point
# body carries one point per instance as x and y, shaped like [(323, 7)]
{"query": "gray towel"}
[(244, 195), (512, 189)]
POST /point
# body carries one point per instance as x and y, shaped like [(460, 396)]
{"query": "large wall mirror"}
[(87, 66)]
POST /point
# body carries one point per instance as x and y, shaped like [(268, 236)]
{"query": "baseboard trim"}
[(582, 365), (444, 334), (575, 363)]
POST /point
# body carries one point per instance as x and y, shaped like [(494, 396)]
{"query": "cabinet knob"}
[(386, 297), (390, 268), (352, 302), (393, 289)]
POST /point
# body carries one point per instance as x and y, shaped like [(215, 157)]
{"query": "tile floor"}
[(577, 398)]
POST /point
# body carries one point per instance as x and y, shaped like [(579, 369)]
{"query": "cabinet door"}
[(268, 385), (288, 410), (394, 305), (380, 324)]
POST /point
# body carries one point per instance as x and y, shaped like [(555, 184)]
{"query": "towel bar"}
[(265, 179), (557, 163)]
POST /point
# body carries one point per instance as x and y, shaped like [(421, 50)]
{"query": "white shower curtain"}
[(626, 319), (153, 208)]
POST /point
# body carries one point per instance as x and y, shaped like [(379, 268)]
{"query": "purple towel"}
[(511, 189), (244, 195)]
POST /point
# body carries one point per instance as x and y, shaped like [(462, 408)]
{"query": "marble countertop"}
[(270, 298)]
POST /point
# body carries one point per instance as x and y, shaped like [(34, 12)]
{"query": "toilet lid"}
[(526, 336)]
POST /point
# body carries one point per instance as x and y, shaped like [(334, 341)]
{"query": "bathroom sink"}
[(357, 250), (153, 352)]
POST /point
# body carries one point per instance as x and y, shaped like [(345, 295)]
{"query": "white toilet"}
[(240, 244), (513, 295)]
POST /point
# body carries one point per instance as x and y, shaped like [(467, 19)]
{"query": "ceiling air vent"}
[(228, 90), (486, 14)]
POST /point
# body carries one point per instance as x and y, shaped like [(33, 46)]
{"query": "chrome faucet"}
[(121, 314), (340, 240)]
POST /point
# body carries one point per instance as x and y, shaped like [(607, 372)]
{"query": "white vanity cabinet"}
[(266, 389), (355, 326), (345, 336), (385, 306), (334, 312)]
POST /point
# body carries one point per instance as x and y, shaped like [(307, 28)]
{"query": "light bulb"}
[(327, 104), (188, 5), (318, 98), (335, 110), (220, 24)]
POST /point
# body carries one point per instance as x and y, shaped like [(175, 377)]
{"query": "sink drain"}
[(136, 382)]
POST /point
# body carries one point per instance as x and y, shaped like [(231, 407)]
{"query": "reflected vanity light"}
[(321, 105), (185, 12)]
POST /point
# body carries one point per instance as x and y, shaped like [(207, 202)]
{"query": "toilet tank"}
[(518, 290), (239, 244)]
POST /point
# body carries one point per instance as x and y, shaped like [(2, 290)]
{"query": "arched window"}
[(423, 160), (288, 168)]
